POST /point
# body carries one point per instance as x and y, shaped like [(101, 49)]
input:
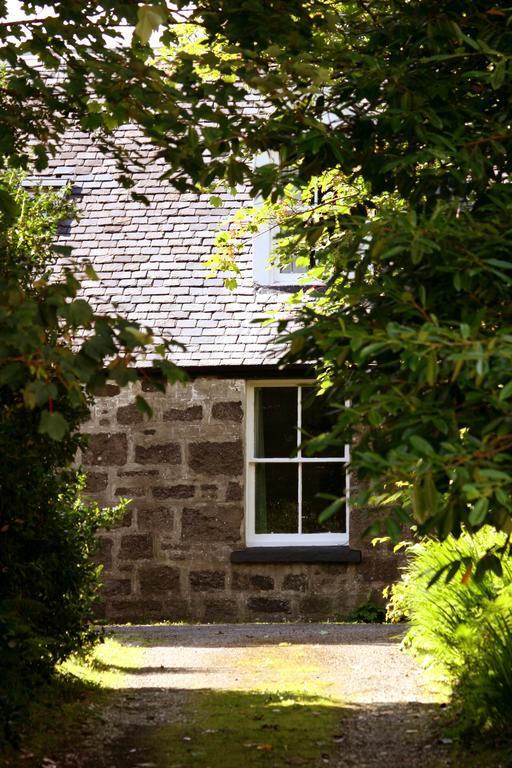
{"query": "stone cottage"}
[(223, 522)]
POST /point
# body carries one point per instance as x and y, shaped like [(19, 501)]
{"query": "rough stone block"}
[(174, 492), (167, 453), (228, 411), (106, 449), (96, 482), (133, 492), (175, 551), (129, 414), (136, 546), (209, 492), (103, 554), (177, 609), (268, 605), (194, 413), (234, 492), (152, 518), (217, 458), (116, 587), (206, 581), (220, 611), (107, 390), (382, 567), (317, 607), (142, 473), (296, 582), (212, 524), (251, 581), (126, 520), (134, 610), (157, 579)]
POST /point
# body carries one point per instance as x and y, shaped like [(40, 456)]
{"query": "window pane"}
[(276, 498), (316, 419), (275, 422), (293, 269), (322, 478)]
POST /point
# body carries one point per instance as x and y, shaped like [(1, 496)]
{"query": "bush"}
[(463, 626), (49, 581), (396, 606)]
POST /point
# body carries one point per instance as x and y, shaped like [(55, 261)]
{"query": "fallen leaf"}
[(264, 747)]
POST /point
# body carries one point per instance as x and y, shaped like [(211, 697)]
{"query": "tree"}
[(402, 112), (409, 104)]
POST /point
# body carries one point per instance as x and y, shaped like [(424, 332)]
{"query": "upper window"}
[(263, 244), (264, 274), (286, 490)]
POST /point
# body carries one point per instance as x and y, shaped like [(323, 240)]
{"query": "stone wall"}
[(169, 559)]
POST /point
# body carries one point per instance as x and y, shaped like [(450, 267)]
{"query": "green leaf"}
[(432, 368), (506, 391), (143, 406), (53, 424), (421, 445), (465, 330), (494, 474), (437, 575), (9, 208), (452, 570), (150, 18), (498, 74), (331, 510), (478, 512), (90, 272)]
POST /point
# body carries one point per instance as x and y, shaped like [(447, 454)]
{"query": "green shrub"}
[(366, 613), (48, 582), (396, 605), (463, 626)]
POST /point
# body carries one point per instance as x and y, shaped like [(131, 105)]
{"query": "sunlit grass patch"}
[(107, 665)]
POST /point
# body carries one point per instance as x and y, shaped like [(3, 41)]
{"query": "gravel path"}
[(390, 717)]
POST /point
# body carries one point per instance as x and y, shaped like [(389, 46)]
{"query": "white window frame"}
[(254, 539), (262, 244), (264, 274)]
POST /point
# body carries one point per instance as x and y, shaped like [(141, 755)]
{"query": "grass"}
[(73, 699)]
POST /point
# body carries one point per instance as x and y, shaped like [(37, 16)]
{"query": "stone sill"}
[(296, 555)]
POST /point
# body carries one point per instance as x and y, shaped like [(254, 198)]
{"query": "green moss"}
[(233, 728)]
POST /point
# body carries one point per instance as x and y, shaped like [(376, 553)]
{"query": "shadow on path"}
[(230, 729)]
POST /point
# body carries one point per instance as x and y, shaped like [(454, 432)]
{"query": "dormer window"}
[(264, 272)]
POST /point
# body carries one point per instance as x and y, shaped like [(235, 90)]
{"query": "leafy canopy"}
[(402, 110)]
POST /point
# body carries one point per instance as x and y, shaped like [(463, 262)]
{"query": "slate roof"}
[(151, 260)]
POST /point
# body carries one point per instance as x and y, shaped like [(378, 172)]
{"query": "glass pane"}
[(322, 478), (293, 268), (275, 422), (276, 498), (317, 419)]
